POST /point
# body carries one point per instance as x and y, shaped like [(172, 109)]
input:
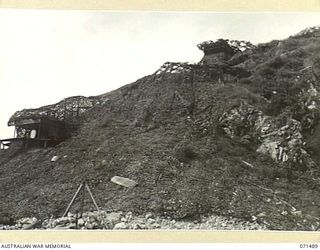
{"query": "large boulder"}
[(281, 142)]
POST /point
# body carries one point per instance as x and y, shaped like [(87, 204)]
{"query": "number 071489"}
[(313, 246)]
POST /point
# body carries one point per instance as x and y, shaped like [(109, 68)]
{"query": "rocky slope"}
[(235, 135), (129, 221)]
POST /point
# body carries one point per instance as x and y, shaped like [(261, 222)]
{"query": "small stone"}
[(123, 219), (151, 221), (96, 225), (114, 217), (59, 227), (62, 220), (72, 226), (149, 215), (136, 226), (80, 222), (120, 226), (29, 225), (298, 213), (139, 221), (92, 219), (54, 158), (261, 214), (27, 221), (139, 226), (129, 217), (156, 225), (89, 226), (129, 214)]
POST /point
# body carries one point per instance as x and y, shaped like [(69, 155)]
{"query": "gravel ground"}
[(129, 221)]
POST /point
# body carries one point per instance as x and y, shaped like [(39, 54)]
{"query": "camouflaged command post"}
[(48, 125)]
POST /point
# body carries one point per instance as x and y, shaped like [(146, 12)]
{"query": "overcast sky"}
[(47, 55)]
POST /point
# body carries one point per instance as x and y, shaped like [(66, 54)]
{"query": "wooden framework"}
[(44, 128), (47, 132), (81, 189)]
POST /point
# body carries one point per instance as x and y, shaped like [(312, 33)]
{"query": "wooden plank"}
[(12, 139), (122, 181), (73, 199), (91, 196), (39, 131), (26, 122)]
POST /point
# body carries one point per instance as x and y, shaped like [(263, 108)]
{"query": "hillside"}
[(235, 135)]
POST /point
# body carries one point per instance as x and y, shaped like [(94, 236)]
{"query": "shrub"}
[(186, 153), (276, 63), (267, 72), (106, 123)]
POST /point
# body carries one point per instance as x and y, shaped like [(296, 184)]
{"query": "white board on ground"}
[(122, 181)]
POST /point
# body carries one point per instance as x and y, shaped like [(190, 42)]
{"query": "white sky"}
[(47, 55)]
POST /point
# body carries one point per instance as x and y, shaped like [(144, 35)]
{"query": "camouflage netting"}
[(65, 110), (229, 47)]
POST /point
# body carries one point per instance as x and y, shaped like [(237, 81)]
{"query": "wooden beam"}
[(39, 129), (91, 196), (73, 199)]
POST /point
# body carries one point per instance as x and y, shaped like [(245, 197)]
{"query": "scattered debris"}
[(248, 164), (55, 158), (128, 221)]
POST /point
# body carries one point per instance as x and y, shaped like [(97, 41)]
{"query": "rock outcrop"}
[(281, 140)]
